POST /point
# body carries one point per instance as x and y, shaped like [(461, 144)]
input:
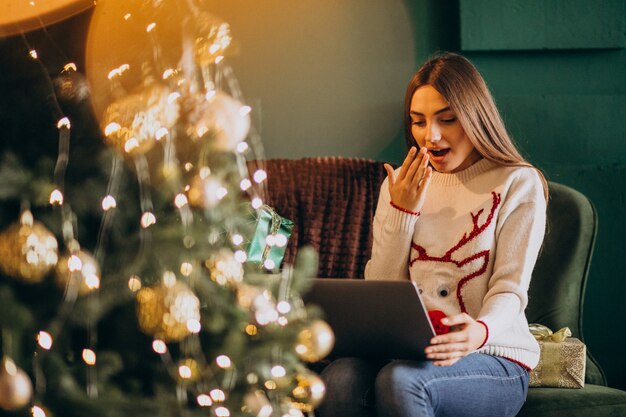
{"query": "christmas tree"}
[(128, 284)]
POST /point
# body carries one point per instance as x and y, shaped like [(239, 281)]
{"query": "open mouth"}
[(439, 152)]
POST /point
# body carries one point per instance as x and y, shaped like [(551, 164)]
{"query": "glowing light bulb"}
[(134, 283), (242, 147), (168, 73), (270, 240), (44, 339), (237, 239), (214, 48), (278, 371), (269, 264), (218, 395), (221, 192), (64, 123), (184, 371), (240, 256), (219, 59), (147, 219), (111, 128), (245, 184), (56, 197), (70, 66), (150, 27), (180, 200), (37, 412), (281, 241), (108, 203), (169, 279), (92, 281), (186, 269), (257, 203), (131, 144), (222, 412), (127, 16), (74, 263), (283, 307), (204, 400), (89, 356), (223, 361), (159, 346), (33, 54)]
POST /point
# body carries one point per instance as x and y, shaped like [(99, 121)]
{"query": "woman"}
[(464, 218)]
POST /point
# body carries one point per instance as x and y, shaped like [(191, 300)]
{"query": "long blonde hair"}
[(460, 83)]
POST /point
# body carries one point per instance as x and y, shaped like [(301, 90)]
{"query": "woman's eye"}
[(448, 121), (418, 123)]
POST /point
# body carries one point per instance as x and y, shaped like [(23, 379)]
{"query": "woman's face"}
[(435, 126)]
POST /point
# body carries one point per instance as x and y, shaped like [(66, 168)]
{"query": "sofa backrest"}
[(332, 202)]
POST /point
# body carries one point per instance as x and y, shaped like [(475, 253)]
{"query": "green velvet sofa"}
[(332, 203)]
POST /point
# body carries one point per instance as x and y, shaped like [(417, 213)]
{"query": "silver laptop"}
[(373, 319)]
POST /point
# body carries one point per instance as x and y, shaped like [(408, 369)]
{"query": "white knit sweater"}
[(472, 249)]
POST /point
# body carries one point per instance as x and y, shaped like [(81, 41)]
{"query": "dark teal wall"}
[(567, 111)]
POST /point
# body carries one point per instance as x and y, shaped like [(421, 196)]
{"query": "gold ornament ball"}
[(134, 123), (86, 275), (308, 392), (223, 268), (28, 250), (165, 310), (315, 341), (16, 388)]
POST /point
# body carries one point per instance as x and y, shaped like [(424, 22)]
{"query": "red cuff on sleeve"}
[(394, 205), (486, 333)]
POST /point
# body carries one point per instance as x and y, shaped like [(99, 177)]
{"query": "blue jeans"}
[(477, 385)]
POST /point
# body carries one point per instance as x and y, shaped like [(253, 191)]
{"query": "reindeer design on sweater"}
[(435, 292)]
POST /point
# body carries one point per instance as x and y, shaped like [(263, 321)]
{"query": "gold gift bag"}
[(562, 360)]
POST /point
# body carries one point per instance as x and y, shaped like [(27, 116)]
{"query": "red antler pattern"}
[(476, 230)]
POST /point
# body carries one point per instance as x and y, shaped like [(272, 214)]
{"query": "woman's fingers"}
[(407, 162), (415, 171), (390, 175)]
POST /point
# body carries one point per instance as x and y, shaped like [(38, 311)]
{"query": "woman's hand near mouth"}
[(409, 186)]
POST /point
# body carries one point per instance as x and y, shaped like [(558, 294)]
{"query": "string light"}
[(134, 283), (240, 256), (131, 144), (111, 128), (74, 263), (64, 123), (204, 400), (173, 97), (169, 279), (159, 346), (56, 197), (180, 201), (251, 330), (89, 356), (283, 307), (223, 361), (242, 147), (127, 16), (116, 72), (37, 411), (33, 54), (184, 371), (219, 59), (108, 203), (270, 240), (278, 371), (257, 203), (218, 395), (269, 264), (221, 193), (222, 412), (281, 241), (245, 184), (70, 66), (282, 320), (186, 269), (150, 27), (147, 219), (44, 339), (168, 73), (237, 239)]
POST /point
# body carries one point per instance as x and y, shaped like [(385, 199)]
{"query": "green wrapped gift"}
[(270, 238)]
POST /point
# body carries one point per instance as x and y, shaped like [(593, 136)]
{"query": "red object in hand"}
[(435, 317)]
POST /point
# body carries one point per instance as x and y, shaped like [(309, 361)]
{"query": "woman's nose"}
[(433, 134)]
